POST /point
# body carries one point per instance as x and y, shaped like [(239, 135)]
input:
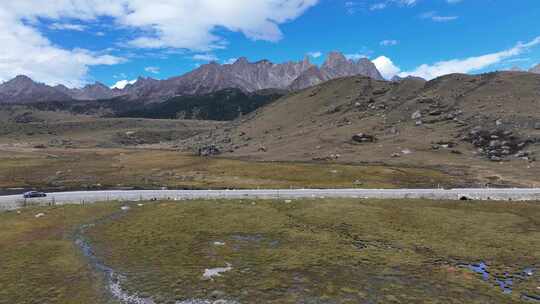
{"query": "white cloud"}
[(192, 24), (407, 2), (433, 16), (512, 60), (378, 6), (205, 57), (67, 27), (384, 4), (230, 61), (26, 51), (152, 69), (171, 24), (389, 42), (353, 6), (355, 56), (315, 54), (470, 64), (122, 84), (386, 67)]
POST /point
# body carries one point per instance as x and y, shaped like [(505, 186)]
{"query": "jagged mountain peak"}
[(21, 80), (61, 87), (335, 60), (364, 60), (97, 84), (263, 62), (22, 89), (335, 56), (241, 61)]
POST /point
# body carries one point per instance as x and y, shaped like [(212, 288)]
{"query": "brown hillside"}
[(486, 125)]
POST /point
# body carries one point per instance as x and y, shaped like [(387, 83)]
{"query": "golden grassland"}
[(109, 168), (304, 251)]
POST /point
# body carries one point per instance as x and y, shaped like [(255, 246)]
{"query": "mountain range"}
[(212, 77)]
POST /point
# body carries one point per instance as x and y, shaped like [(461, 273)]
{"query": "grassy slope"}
[(88, 131), (320, 121), (83, 168), (286, 253)]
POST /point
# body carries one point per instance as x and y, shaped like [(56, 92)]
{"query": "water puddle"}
[(210, 274), (505, 285), (504, 281), (114, 280), (207, 302), (241, 240), (530, 298), (248, 238), (528, 272), (480, 268)]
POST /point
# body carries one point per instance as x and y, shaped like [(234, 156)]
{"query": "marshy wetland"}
[(300, 251)]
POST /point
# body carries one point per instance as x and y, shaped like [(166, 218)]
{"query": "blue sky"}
[(79, 42)]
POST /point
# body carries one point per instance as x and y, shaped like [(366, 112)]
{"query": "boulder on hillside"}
[(496, 144), (26, 117), (210, 150), (416, 115), (364, 138)]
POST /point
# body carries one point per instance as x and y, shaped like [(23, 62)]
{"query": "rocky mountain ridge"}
[(212, 77)]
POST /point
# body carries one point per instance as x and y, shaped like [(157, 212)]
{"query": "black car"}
[(32, 194)]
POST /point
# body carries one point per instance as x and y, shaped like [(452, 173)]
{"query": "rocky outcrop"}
[(498, 144), (364, 138), (208, 151), (335, 66), (309, 78)]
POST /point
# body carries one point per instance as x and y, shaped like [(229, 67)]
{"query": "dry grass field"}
[(99, 168)]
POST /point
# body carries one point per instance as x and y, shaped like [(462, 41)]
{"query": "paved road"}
[(16, 201)]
